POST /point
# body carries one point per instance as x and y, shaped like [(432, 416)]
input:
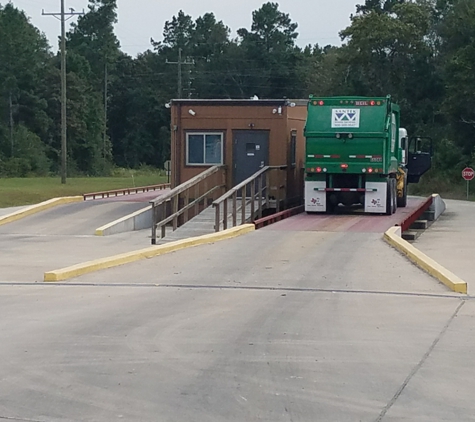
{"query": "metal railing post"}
[(174, 206), (259, 197), (154, 226), (197, 205), (253, 198), (216, 218), (225, 214), (243, 204), (267, 189), (234, 209), (186, 202)]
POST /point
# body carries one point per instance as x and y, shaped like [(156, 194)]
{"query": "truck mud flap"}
[(375, 197), (315, 200)]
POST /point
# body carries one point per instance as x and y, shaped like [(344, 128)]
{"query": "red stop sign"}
[(468, 173)]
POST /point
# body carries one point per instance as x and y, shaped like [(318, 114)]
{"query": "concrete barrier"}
[(453, 282), (438, 206), (139, 220), (150, 252), (42, 206)]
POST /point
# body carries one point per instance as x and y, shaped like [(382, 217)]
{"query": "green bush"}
[(29, 156)]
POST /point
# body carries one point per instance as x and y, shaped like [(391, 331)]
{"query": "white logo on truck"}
[(345, 117)]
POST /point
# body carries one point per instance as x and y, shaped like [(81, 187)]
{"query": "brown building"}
[(243, 135)]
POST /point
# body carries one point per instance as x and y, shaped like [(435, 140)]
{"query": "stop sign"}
[(468, 173)]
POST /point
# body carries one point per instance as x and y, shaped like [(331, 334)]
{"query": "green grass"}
[(446, 189), (26, 191)]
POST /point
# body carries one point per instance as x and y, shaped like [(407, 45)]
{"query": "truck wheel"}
[(394, 182), (402, 201), (330, 208), (390, 198)]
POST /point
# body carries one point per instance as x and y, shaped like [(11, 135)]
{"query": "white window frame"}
[(204, 148)]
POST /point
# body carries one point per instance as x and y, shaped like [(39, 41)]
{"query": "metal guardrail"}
[(255, 189), (186, 200), (407, 222), (274, 218), (126, 191)]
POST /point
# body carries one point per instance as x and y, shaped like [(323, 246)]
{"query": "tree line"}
[(419, 51)]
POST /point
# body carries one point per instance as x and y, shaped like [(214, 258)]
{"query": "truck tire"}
[(391, 197), (402, 201), (330, 208), (394, 195)]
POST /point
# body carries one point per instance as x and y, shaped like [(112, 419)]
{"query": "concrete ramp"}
[(80, 218)]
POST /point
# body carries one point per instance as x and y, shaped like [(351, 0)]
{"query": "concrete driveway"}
[(271, 326)]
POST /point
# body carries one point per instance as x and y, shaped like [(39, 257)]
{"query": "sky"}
[(139, 20)]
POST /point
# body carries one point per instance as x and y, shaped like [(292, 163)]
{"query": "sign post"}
[(468, 174)]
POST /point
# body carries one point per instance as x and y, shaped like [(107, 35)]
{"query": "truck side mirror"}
[(403, 143), (418, 144)]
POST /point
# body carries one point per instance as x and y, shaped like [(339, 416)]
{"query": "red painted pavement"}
[(351, 221)]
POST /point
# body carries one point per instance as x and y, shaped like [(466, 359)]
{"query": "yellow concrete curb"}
[(33, 209), (100, 231), (423, 261), (150, 252)]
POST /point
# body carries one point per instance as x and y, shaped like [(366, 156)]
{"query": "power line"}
[(62, 17), (180, 63)]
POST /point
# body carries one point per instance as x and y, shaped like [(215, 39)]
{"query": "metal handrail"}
[(186, 185), (170, 202), (125, 191), (258, 191)]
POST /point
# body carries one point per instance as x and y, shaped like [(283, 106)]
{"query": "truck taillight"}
[(370, 170), (344, 166), (321, 103), (372, 102), (319, 169)]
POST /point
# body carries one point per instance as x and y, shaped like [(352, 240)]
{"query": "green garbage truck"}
[(357, 154)]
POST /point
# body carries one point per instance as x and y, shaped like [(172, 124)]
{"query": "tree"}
[(457, 32), (388, 52), (24, 62), (93, 38), (378, 6), (211, 57), (272, 58), (139, 120)]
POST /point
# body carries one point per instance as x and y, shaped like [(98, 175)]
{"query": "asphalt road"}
[(271, 326)]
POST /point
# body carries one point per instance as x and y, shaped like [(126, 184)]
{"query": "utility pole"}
[(62, 17), (11, 122), (180, 63), (105, 117)]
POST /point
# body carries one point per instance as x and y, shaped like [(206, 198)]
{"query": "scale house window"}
[(204, 149)]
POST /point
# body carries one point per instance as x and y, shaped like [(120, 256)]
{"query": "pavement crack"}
[(11, 418), (419, 365)]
